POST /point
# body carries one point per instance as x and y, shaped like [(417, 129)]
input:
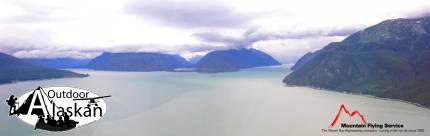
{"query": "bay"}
[(251, 102)]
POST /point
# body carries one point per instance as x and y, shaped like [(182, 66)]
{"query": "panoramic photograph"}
[(214, 68)]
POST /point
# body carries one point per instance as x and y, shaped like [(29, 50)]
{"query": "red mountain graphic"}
[(342, 108)]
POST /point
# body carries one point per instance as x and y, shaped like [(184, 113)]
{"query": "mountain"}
[(390, 59), (303, 60), (139, 61), (234, 60), (13, 69), (58, 62)]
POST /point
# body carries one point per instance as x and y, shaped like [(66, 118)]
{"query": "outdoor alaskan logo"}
[(57, 108)]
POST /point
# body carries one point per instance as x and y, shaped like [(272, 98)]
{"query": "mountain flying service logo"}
[(57, 108), (360, 125), (342, 109)]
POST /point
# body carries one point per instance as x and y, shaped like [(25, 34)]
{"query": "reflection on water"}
[(251, 102)]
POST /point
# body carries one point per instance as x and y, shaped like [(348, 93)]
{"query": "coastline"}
[(366, 95), (19, 81)]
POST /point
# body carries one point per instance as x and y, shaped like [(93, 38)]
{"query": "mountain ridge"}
[(58, 62), (390, 59), (137, 61), (234, 60), (13, 69)]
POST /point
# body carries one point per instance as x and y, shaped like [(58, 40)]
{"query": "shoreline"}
[(367, 95), (20, 81), (396, 100)]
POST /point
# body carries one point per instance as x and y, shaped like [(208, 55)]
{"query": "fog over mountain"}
[(284, 29)]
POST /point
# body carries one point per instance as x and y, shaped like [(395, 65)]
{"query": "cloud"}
[(215, 37), (55, 53), (26, 18), (254, 35), (317, 32), (290, 50), (45, 51), (286, 47), (287, 28), (423, 12), (189, 14)]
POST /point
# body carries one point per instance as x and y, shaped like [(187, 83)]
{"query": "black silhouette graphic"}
[(23, 109), (11, 102), (92, 101), (55, 125), (51, 124)]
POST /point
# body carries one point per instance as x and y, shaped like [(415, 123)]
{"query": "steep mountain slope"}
[(390, 59), (303, 60), (13, 69), (58, 62), (233, 60), (137, 62)]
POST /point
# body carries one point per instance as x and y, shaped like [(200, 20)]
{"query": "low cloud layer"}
[(284, 29), (253, 35), (189, 14)]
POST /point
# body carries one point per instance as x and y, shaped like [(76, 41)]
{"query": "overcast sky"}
[(286, 29)]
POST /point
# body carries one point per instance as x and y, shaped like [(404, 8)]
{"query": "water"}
[(251, 102)]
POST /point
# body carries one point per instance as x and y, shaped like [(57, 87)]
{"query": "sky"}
[(285, 29)]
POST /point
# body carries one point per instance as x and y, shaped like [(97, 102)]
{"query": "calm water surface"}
[(251, 102)]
